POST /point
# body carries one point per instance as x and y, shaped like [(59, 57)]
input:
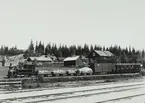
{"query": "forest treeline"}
[(124, 54)]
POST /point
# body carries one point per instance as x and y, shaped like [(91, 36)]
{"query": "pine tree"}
[(41, 48), (2, 50), (123, 57), (104, 48), (36, 47), (31, 47), (133, 51), (86, 50), (46, 50), (79, 50), (143, 53), (91, 48)]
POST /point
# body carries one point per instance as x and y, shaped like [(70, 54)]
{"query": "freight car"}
[(116, 68)]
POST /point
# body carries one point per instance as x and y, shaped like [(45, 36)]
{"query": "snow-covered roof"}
[(44, 59), (41, 58), (71, 58), (49, 56), (33, 58), (103, 53), (108, 53), (100, 53)]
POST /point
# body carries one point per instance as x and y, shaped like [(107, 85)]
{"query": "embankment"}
[(37, 82)]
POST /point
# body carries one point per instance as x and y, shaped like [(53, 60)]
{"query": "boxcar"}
[(115, 68)]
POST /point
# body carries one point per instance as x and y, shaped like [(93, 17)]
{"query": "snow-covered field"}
[(119, 92)]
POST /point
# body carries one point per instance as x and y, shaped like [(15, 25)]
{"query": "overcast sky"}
[(101, 22)]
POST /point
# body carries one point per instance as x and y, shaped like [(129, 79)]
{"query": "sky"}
[(101, 22)]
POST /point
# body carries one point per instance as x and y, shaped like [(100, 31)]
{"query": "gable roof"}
[(108, 53), (100, 53), (104, 53), (41, 58), (71, 58)]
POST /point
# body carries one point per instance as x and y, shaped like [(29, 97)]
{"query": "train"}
[(29, 70)]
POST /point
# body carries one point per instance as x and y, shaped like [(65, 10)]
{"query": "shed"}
[(73, 61)]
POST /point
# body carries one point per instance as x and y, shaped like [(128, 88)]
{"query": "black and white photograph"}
[(72, 51)]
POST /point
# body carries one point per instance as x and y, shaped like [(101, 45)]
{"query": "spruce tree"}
[(31, 47)]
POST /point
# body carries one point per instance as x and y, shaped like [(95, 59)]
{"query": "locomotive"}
[(27, 70)]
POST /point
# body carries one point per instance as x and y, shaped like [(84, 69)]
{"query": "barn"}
[(73, 61)]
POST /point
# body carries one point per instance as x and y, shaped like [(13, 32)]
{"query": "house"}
[(60, 59), (42, 60), (100, 56), (54, 58), (73, 61), (99, 53)]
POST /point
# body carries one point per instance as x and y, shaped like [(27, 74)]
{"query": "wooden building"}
[(42, 60), (101, 61), (100, 56), (73, 61)]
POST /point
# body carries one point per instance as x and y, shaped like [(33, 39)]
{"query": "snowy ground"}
[(129, 91)]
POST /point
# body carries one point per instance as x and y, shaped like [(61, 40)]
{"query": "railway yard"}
[(102, 83), (123, 91), (72, 51)]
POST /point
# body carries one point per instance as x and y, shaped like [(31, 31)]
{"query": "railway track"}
[(17, 82), (42, 89), (9, 85), (70, 94), (121, 98), (4, 83)]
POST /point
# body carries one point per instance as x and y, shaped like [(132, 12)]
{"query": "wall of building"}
[(103, 67), (70, 63)]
